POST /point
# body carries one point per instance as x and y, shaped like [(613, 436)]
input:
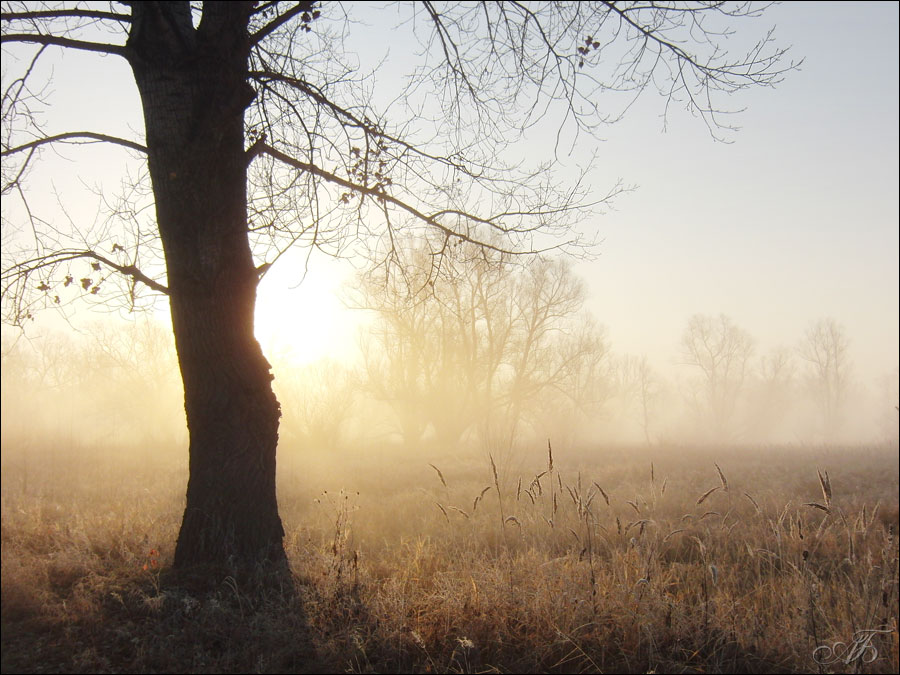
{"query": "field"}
[(664, 559)]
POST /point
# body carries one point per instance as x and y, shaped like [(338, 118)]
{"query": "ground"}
[(415, 565)]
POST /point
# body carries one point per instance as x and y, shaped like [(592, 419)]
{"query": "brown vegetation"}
[(606, 561)]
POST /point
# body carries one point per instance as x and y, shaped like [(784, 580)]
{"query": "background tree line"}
[(484, 355)]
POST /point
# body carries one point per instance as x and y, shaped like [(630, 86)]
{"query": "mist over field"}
[(450, 337), (596, 524), (480, 483), (494, 360)]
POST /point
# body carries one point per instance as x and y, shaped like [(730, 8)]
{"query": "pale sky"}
[(797, 219)]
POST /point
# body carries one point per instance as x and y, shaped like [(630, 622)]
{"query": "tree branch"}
[(130, 271), (346, 117), (58, 257), (73, 135), (261, 147), (58, 41), (280, 20), (59, 13)]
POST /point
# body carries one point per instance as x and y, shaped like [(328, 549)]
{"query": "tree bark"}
[(194, 91)]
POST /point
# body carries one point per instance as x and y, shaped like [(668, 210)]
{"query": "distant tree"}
[(651, 389), (317, 402), (260, 134), (555, 349), (131, 371), (721, 351), (414, 354), (825, 348), (32, 380), (771, 392), (108, 383), (640, 388), (52, 364), (481, 346)]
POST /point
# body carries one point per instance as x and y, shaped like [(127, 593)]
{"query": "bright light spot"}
[(306, 322)]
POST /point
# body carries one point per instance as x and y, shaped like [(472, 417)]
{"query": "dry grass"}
[(670, 560)]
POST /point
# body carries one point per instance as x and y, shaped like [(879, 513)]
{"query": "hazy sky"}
[(796, 219)]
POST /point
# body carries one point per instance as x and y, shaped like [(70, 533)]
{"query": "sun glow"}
[(305, 322)]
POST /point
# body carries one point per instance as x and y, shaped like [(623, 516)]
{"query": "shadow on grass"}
[(160, 621)]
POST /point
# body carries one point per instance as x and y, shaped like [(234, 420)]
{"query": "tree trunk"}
[(194, 91)]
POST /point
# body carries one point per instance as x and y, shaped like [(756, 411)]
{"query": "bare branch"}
[(348, 118), (130, 271), (28, 266), (69, 43), (63, 13), (281, 19), (383, 197), (89, 135)]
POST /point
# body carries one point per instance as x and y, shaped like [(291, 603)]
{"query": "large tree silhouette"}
[(260, 134)]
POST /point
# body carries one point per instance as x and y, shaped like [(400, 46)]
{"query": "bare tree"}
[(317, 401), (721, 350), (260, 134), (555, 348), (138, 368), (640, 388), (482, 347), (111, 383), (650, 390), (36, 380), (825, 348), (771, 393), (417, 359)]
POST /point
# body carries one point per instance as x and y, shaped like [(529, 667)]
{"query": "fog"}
[(492, 357), (745, 293), (582, 321)]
